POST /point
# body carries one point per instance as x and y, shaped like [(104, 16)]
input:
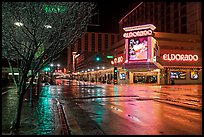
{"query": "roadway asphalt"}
[(46, 117)]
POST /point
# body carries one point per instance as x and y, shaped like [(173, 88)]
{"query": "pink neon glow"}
[(180, 57), (140, 27), (130, 12), (138, 34), (137, 48)]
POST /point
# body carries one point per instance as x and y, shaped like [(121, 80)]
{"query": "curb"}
[(72, 123)]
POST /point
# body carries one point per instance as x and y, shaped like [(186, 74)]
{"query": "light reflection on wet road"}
[(132, 110)]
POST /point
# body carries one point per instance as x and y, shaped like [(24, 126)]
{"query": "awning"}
[(140, 66)]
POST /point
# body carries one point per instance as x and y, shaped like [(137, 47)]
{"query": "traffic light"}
[(97, 58), (115, 73), (46, 69)]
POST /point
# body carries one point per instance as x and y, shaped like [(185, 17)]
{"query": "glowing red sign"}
[(117, 60), (180, 57), (138, 33)]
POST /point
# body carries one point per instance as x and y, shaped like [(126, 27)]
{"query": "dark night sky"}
[(110, 13)]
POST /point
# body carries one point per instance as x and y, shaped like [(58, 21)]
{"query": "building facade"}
[(170, 17), (164, 58), (173, 53), (90, 42)]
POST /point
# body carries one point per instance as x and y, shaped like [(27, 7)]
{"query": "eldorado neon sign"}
[(180, 57), (138, 33), (117, 60)]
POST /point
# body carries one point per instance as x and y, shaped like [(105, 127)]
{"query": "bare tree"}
[(35, 33)]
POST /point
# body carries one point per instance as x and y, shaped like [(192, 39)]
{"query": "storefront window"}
[(194, 75), (122, 76), (177, 75)]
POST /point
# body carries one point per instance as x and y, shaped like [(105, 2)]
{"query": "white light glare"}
[(18, 24), (48, 26)]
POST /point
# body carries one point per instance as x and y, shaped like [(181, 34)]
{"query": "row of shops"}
[(148, 57), (157, 76)]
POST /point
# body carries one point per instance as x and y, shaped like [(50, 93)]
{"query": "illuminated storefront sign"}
[(140, 33), (137, 48), (117, 60), (180, 57), (138, 42)]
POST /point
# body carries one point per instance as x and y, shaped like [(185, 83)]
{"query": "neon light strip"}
[(182, 67), (130, 12), (146, 26)]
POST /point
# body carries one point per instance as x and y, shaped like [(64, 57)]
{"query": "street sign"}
[(109, 57), (54, 8)]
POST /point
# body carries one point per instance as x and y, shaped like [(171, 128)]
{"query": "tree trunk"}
[(31, 86), (20, 103), (38, 85), (16, 124), (31, 95)]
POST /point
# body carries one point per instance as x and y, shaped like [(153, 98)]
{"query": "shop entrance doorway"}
[(144, 78)]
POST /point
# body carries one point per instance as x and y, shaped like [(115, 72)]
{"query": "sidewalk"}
[(43, 118)]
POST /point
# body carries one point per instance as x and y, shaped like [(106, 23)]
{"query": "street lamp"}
[(19, 24), (48, 26), (56, 66)]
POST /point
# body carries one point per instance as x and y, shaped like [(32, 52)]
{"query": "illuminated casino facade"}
[(150, 52), (154, 57)]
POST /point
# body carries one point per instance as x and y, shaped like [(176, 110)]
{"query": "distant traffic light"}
[(97, 58), (115, 76), (46, 69), (115, 73)]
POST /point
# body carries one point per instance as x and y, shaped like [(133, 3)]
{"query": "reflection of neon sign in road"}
[(180, 57)]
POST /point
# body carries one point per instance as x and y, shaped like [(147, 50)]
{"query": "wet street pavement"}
[(137, 109), (107, 109), (44, 118)]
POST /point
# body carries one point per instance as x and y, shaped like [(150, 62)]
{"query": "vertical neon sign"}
[(137, 48), (136, 42)]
